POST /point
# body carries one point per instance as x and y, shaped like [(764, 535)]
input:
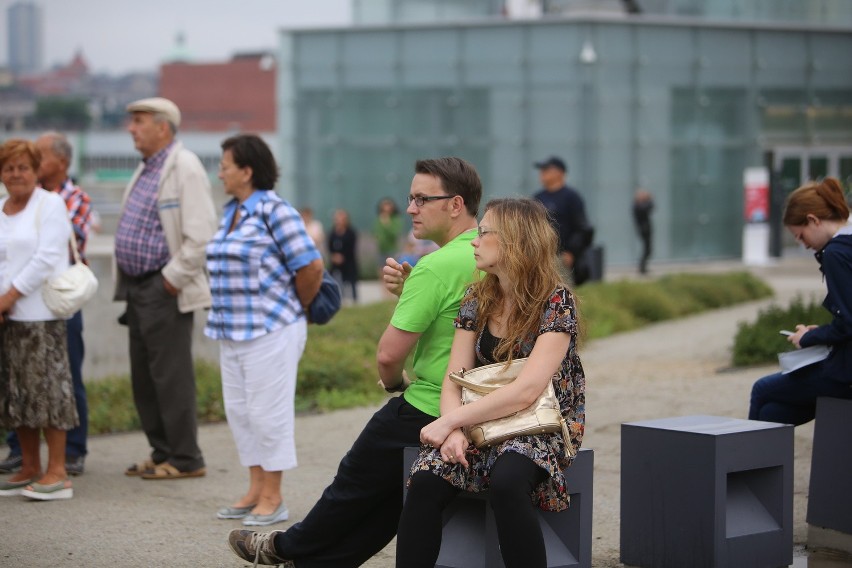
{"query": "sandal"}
[(168, 471), (51, 492), (137, 469)]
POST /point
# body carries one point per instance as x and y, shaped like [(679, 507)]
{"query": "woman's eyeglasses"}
[(480, 232)]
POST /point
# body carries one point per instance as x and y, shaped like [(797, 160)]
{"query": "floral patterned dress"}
[(546, 450)]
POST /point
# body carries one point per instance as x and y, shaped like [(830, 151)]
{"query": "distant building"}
[(679, 98), (234, 95), (62, 80), (16, 105), (26, 44)]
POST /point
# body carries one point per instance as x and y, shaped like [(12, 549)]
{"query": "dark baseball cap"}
[(552, 162)]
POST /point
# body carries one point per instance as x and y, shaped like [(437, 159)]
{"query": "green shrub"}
[(612, 307), (339, 362), (111, 406), (759, 342)]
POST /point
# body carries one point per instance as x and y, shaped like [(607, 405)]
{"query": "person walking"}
[(643, 206), (520, 309), (264, 270), (167, 217), (817, 215), (53, 176), (357, 515)]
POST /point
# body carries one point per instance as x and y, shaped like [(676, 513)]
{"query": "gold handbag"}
[(542, 417)]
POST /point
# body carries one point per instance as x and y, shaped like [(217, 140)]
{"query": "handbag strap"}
[(272, 236), (73, 238)]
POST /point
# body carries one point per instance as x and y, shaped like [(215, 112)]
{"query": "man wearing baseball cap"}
[(167, 217), (568, 213)]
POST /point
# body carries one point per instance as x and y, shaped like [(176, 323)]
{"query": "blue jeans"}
[(75, 444), (791, 398)]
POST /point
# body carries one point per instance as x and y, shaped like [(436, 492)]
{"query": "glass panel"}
[(817, 167), (790, 174), (782, 116), (845, 172)]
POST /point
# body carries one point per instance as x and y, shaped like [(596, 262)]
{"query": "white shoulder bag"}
[(65, 294)]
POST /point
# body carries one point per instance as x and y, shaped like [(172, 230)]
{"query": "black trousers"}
[(513, 479), (357, 514), (162, 373)]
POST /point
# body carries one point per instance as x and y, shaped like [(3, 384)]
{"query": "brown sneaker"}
[(257, 547)]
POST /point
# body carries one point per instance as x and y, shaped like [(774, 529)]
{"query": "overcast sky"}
[(118, 36)]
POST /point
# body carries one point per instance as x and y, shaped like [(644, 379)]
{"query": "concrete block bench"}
[(469, 537), (706, 491), (830, 494)]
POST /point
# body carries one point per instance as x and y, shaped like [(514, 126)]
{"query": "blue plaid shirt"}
[(140, 243), (253, 291)]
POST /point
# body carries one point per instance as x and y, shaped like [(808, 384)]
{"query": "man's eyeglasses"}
[(480, 232), (420, 200)]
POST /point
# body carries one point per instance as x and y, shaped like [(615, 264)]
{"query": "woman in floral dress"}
[(521, 308)]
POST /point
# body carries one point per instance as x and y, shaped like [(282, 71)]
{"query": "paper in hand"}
[(798, 358)]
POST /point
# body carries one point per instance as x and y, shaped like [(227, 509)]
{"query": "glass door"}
[(797, 165)]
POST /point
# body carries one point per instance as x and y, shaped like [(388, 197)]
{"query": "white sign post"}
[(756, 209)]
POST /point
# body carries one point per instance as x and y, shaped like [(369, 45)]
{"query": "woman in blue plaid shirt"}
[(264, 272)]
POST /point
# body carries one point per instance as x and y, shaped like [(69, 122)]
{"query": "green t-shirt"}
[(428, 305)]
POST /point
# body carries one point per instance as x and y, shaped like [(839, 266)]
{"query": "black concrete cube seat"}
[(469, 538), (706, 491), (830, 494)]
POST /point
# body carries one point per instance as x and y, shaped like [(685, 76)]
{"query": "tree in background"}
[(60, 113)]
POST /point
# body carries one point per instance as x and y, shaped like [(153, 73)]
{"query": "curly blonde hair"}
[(528, 251)]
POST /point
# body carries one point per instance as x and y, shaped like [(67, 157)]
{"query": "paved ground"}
[(669, 369)]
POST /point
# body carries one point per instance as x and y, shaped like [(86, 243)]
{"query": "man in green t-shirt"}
[(357, 514)]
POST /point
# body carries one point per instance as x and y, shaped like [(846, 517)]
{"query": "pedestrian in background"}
[(264, 270), (342, 246), (386, 230), (568, 214), (314, 228), (643, 206)]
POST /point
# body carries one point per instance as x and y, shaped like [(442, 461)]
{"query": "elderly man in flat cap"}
[(167, 217)]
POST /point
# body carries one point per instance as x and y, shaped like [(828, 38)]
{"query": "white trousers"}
[(259, 389)]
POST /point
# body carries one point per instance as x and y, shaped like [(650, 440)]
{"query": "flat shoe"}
[(278, 515), (12, 488), (168, 471), (137, 469), (52, 492), (234, 512)]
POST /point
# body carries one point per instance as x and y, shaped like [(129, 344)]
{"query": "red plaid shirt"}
[(79, 211)]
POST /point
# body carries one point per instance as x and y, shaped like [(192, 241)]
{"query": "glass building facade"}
[(678, 106)]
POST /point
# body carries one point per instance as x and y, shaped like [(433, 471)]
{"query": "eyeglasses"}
[(480, 232), (420, 200)]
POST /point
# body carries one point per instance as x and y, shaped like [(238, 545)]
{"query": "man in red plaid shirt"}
[(53, 176)]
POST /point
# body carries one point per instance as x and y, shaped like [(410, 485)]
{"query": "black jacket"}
[(836, 265)]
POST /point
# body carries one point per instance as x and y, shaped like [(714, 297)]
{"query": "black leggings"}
[(513, 479)]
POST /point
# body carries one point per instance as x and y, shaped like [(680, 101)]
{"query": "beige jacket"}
[(188, 217)]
